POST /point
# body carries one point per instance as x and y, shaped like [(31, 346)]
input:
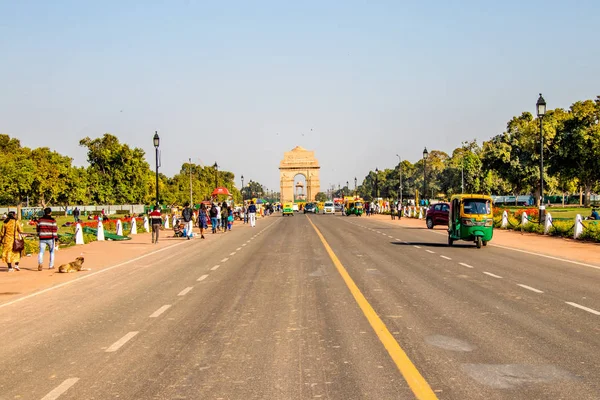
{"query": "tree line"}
[(508, 163), (116, 174)]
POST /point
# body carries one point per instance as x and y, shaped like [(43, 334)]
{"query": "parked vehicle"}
[(437, 215), (471, 219), (295, 207)]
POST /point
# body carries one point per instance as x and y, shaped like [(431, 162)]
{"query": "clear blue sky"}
[(240, 82)]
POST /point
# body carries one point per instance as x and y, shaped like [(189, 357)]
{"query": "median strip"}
[(413, 377)]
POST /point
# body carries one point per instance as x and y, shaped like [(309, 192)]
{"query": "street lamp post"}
[(191, 197), (541, 111), (216, 166), (400, 172), (156, 141), (425, 155), (243, 198), (376, 183), (355, 187)]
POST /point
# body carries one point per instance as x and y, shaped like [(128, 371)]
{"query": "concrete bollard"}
[(548, 223), (524, 220), (146, 224), (100, 233), (79, 234), (504, 219), (133, 226), (167, 222), (421, 213), (119, 228), (578, 228)]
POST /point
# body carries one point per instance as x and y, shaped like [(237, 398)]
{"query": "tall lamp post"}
[(376, 183), (400, 172), (541, 111), (156, 142), (355, 187), (216, 166), (243, 198), (425, 155)]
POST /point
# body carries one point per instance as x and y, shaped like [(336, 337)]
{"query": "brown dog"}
[(73, 266)]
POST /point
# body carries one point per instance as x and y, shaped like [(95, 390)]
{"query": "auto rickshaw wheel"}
[(484, 243), (478, 242)]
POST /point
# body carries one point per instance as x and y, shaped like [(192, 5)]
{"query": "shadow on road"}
[(429, 244)]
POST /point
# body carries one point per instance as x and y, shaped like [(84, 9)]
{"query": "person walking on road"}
[(393, 210), (156, 222), (76, 214), (10, 231), (47, 231), (187, 214), (224, 216), (252, 214), (214, 217), (202, 220)]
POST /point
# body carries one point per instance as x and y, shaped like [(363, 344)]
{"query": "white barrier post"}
[(504, 219), (133, 226), (174, 221), (79, 234), (524, 219), (146, 224), (548, 223), (100, 234), (119, 228), (421, 213), (578, 229), (167, 222)]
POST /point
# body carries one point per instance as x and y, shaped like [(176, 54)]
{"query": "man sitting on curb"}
[(47, 231)]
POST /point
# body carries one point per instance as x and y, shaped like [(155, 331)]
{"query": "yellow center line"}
[(413, 377)]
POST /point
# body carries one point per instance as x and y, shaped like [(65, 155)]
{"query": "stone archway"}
[(299, 161)]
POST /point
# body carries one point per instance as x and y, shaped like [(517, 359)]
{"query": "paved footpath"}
[(548, 246), (99, 256)]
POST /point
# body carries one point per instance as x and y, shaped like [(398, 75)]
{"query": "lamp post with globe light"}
[(541, 111), (156, 142)]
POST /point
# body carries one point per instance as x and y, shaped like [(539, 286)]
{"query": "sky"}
[(242, 82)]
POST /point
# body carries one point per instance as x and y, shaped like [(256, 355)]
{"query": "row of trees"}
[(117, 174), (508, 163)]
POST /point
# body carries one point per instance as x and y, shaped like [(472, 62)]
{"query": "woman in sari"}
[(10, 231)]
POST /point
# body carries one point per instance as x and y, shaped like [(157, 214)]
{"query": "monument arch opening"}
[(299, 161)]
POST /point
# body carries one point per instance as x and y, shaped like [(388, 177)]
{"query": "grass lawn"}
[(560, 212)]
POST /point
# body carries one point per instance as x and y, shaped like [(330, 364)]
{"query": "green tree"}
[(321, 196)]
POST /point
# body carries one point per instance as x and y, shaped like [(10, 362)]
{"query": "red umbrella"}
[(221, 190)]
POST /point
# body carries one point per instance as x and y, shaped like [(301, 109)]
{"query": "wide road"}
[(306, 307)]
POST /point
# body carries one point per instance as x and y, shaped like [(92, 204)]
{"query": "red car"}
[(437, 215)]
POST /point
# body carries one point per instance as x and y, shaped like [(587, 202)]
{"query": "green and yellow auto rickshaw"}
[(354, 207), (288, 209), (471, 219)]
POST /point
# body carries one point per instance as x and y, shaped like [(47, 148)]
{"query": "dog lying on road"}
[(73, 266)]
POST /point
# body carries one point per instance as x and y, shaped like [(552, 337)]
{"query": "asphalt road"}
[(378, 312)]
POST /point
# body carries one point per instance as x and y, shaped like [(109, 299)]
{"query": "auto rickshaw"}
[(354, 207), (288, 209), (471, 219)]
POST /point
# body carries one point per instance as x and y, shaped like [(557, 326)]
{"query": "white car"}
[(328, 208), (295, 207)]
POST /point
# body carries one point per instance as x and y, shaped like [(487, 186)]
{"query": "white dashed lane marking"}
[(465, 265), (417, 247), (117, 345), (590, 310), (431, 252), (215, 268), (238, 249), (203, 277), (160, 311), (446, 258), (243, 244), (224, 260), (232, 254), (530, 288), (60, 389), (185, 291), (492, 275)]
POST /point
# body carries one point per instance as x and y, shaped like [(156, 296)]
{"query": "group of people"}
[(220, 216), (13, 245)]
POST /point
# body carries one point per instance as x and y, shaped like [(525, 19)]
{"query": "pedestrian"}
[(47, 231), (218, 216), (252, 214), (214, 217), (393, 210), (229, 218), (224, 216), (11, 231), (244, 214), (156, 222), (187, 215), (76, 214), (202, 220)]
